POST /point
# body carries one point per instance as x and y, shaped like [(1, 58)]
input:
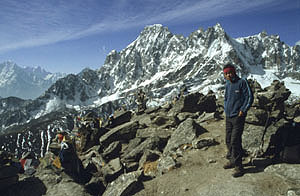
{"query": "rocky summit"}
[(177, 148)]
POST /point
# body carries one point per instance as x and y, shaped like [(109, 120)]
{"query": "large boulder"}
[(120, 117), (124, 132), (112, 151), (186, 132), (273, 98), (163, 133), (134, 155), (257, 116), (195, 102)]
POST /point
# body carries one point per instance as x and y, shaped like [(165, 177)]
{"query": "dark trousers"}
[(234, 131)]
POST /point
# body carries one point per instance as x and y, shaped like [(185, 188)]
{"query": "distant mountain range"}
[(25, 83), (157, 61)]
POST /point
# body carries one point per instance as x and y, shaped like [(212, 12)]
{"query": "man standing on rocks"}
[(238, 99)]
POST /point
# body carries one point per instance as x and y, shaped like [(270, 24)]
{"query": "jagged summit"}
[(155, 28), (26, 83)]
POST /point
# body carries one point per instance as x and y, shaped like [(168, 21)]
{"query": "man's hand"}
[(241, 113)]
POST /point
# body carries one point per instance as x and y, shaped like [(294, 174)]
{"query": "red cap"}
[(229, 69)]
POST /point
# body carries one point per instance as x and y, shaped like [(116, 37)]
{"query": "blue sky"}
[(69, 35)]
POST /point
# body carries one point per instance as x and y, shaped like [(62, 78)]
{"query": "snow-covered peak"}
[(153, 32), (219, 29), (154, 28), (24, 82)]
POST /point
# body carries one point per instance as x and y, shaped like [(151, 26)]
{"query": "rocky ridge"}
[(178, 149)]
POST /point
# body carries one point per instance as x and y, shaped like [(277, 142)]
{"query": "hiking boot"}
[(228, 156), (228, 165), (238, 172)]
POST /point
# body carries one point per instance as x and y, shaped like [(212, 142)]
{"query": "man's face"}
[(229, 75)]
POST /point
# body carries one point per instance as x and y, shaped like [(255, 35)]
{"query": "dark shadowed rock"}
[(274, 97), (112, 151), (194, 102), (95, 186), (28, 186), (188, 103), (8, 176), (121, 117), (207, 103)]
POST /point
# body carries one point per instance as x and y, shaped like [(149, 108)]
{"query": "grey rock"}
[(186, 132), (165, 164), (205, 117), (134, 155), (123, 185), (203, 142), (184, 115), (125, 131), (163, 133), (131, 145), (257, 116), (286, 171), (164, 121)]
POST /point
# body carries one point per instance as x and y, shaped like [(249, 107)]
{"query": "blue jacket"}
[(238, 97)]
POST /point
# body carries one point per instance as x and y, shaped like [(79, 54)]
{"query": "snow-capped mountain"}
[(157, 59), (25, 83), (161, 63)]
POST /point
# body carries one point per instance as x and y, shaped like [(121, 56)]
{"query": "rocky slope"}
[(178, 149)]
